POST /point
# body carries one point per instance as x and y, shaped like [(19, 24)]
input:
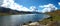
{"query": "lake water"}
[(14, 20)]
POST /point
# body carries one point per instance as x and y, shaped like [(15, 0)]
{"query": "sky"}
[(28, 3), (32, 5)]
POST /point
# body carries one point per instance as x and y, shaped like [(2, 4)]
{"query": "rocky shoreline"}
[(50, 23)]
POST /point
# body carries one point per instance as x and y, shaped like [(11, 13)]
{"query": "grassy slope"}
[(55, 15)]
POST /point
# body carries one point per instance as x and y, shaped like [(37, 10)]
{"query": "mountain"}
[(7, 10), (4, 11)]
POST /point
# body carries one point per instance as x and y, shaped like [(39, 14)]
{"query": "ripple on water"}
[(13, 20)]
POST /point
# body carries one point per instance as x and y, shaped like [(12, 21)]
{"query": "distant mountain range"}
[(10, 11)]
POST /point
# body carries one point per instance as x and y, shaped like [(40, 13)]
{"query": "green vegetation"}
[(55, 18), (6, 14), (55, 15), (3, 14)]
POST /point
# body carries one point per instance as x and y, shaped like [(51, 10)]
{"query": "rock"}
[(24, 25), (34, 24)]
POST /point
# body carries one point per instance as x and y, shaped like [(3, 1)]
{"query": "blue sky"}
[(36, 3), (31, 5)]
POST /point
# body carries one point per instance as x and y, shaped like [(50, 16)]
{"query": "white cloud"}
[(48, 8), (1, 1), (11, 4), (33, 8), (59, 3), (14, 6)]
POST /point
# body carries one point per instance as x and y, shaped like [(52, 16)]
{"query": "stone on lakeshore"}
[(34, 24), (24, 25)]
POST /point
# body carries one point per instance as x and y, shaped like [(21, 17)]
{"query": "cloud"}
[(1, 1), (59, 3), (33, 8), (14, 6), (48, 8)]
